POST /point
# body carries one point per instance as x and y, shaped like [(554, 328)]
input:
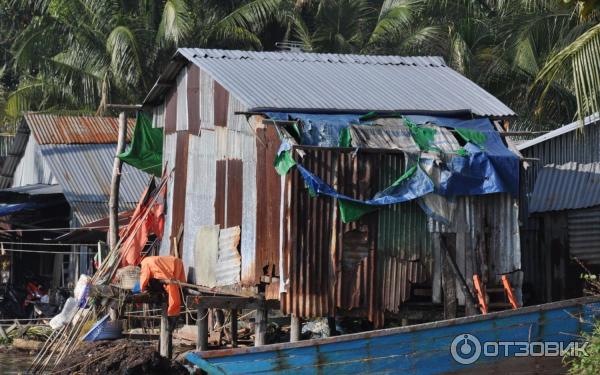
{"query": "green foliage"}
[(590, 364), (539, 57)]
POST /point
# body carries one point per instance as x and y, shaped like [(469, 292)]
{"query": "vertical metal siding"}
[(158, 116), (169, 152), (193, 99), (33, 168), (200, 191), (584, 235), (182, 97), (248, 244), (207, 116)]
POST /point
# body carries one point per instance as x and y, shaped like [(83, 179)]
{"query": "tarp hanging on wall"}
[(145, 150)]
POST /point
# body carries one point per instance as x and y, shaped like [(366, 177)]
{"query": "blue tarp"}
[(491, 168), (11, 208), (317, 129), (415, 186)]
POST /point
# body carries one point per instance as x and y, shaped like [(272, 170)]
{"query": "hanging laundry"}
[(167, 268)]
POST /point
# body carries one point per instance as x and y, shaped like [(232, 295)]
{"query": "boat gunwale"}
[(397, 330)]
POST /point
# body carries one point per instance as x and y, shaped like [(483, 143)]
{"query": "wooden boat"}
[(425, 348)]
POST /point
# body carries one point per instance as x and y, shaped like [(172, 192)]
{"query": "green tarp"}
[(284, 162), (145, 150)]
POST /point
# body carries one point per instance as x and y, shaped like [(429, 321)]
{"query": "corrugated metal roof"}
[(560, 131), (15, 153), (305, 82), (84, 172), (567, 186), (55, 129)]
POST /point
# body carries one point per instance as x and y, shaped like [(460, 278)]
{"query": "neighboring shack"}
[(63, 159), (225, 115), (560, 208)]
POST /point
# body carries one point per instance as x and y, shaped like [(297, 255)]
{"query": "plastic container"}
[(104, 330), (66, 315), (80, 287)]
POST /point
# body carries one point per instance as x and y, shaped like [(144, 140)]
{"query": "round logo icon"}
[(465, 349)]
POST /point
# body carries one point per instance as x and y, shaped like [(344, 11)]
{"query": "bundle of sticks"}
[(66, 339)]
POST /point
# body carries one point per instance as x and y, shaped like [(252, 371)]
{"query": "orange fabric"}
[(509, 292), (164, 268), (480, 295), (153, 223)]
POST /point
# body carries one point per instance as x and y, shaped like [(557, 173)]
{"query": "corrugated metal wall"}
[(582, 146), (32, 168), (584, 234)]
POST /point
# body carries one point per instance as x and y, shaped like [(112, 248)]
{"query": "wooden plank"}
[(166, 335), (227, 303), (202, 323), (295, 328), (234, 327), (260, 326)]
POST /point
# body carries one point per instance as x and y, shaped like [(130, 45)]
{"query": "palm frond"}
[(175, 24), (125, 56), (580, 60)]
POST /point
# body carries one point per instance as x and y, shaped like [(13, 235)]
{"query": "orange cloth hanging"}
[(164, 268), (136, 233)]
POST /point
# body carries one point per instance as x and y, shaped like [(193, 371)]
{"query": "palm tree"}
[(78, 53)]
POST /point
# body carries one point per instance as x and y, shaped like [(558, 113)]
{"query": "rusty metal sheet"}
[(180, 184), (171, 112), (193, 99), (229, 261), (235, 187), (57, 129), (221, 192), (268, 206), (221, 102)]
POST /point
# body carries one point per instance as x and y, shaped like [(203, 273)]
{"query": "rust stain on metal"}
[(234, 192), (221, 97), (193, 99), (268, 197), (179, 183), (55, 129), (320, 250), (171, 112), (220, 193)]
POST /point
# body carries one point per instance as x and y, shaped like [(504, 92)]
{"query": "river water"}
[(14, 362)]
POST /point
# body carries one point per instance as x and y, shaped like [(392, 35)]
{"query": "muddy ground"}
[(118, 357)]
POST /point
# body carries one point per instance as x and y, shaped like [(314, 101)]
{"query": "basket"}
[(128, 276)]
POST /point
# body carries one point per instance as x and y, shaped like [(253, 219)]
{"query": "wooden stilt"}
[(295, 328), (202, 323), (260, 329), (234, 328), (166, 336)]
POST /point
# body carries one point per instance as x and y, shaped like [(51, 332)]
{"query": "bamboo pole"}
[(113, 203)]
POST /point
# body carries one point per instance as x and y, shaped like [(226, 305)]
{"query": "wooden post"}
[(202, 324), (260, 325), (295, 328), (166, 335), (113, 203), (234, 328)]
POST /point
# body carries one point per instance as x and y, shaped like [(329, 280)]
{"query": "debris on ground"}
[(118, 357)]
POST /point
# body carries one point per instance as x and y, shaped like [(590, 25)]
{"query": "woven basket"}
[(128, 276)]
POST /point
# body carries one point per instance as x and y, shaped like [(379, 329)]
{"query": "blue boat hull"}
[(418, 349)]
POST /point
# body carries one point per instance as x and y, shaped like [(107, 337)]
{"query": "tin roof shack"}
[(74, 154), (560, 204), (217, 109)]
